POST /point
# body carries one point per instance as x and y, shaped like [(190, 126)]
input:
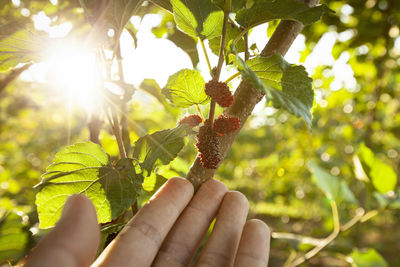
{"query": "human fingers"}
[(223, 242), (188, 231), (137, 244), (74, 240), (254, 245)]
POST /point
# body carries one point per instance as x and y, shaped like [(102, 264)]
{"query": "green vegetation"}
[(326, 183)]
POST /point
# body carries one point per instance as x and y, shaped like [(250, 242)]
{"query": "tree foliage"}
[(332, 171)]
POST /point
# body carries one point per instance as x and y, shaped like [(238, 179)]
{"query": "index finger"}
[(138, 243)]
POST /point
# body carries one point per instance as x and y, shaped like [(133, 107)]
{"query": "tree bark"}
[(246, 96)]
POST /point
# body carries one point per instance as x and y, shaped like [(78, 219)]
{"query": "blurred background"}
[(285, 170)]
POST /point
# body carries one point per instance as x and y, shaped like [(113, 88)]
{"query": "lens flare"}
[(73, 72)]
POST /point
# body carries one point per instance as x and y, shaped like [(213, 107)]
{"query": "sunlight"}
[(74, 74), (69, 66)]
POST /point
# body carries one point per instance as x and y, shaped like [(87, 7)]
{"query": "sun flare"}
[(73, 72)]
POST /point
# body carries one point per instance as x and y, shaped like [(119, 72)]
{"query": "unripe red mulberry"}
[(208, 145), (219, 91), (224, 125), (191, 120)]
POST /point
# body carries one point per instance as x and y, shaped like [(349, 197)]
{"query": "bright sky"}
[(159, 58)]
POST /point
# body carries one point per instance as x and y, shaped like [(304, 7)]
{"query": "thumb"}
[(74, 240)]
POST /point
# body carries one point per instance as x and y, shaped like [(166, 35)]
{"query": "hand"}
[(167, 231)]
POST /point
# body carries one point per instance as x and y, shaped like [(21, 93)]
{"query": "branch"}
[(12, 76), (114, 122), (123, 105), (299, 238), (94, 126), (326, 241), (320, 244), (246, 96)]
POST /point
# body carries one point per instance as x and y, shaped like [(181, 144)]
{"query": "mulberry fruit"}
[(224, 125), (219, 91), (191, 120), (208, 145)]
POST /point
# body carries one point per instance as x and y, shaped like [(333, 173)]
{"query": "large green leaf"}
[(84, 168), (116, 13), (13, 237), (266, 10), (167, 28), (21, 47), (198, 18), (368, 258), (288, 86), (382, 175), (333, 187), (186, 88), (161, 146)]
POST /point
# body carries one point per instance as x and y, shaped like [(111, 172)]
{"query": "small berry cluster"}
[(224, 125), (208, 142), (191, 120), (219, 91), (208, 138), (208, 145)]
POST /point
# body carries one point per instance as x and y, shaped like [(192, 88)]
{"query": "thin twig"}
[(206, 56), (134, 208), (123, 105), (223, 40), (246, 46), (360, 217), (359, 214), (217, 72), (232, 77), (199, 111), (326, 241), (299, 238), (117, 132)]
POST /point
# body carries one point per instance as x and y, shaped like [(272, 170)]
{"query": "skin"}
[(167, 231)]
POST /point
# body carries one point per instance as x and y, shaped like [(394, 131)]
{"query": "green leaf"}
[(272, 25), (266, 10), (288, 86), (236, 4), (84, 168), (21, 47), (161, 146), (382, 175), (163, 3), (123, 10), (10, 27), (198, 18), (167, 28), (153, 182), (368, 258), (151, 87), (116, 14), (187, 44), (186, 88), (232, 32), (13, 237), (334, 188)]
